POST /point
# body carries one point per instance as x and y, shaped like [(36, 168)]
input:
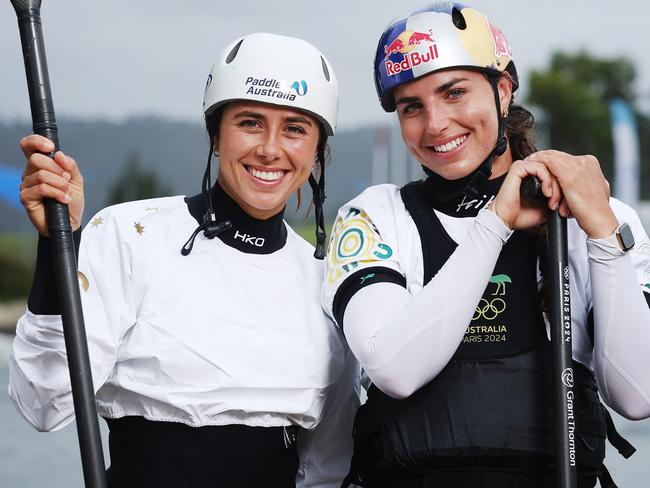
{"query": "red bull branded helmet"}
[(278, 70), (436, 37)]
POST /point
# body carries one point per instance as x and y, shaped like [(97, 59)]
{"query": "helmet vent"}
[(233, 53), (326, 72), (458, 19)]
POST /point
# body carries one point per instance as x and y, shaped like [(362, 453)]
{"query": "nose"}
[(269, 147), (437, 119)]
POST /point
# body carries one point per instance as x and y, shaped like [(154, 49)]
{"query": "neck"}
[(247, 234), (461, 204), (501, 164), (467, 195)]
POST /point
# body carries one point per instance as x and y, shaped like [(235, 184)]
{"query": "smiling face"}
[(266, 153), (449, 121)]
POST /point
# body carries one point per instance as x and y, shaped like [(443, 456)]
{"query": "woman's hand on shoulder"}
[(585, 190), (520, 214), (57, 178)]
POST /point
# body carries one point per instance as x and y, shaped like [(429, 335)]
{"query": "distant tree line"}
[(135, 182), (574, 93)]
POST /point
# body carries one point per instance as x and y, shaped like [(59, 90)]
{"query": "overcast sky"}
[(118, 58)]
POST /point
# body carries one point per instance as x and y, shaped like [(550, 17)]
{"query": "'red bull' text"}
[(411, 60)]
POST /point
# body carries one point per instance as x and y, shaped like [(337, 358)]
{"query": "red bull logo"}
[(404, 44), (417, 37), (501, 46), (394, 47)]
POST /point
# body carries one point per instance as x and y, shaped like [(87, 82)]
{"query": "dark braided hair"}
[(520, 130)]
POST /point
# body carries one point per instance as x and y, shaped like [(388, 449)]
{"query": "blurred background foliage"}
[(136, 182), (17, 256), (574, 92)]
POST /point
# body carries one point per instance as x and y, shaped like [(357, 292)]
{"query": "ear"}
[(504, 86)]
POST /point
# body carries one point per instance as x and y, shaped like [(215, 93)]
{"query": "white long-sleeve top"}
[(213, 338), (403, 337)]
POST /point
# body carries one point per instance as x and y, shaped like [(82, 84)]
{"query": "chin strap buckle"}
[(210, 228)]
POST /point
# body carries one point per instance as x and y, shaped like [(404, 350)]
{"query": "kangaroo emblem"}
[(500, 280)]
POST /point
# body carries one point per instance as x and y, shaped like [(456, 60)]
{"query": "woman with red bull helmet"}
[(213, 362), (435, 285)]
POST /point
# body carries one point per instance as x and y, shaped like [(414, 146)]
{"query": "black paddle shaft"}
[(62, 249), (560, 322)]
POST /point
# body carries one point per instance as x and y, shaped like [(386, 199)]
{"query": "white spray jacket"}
[(213, 338)]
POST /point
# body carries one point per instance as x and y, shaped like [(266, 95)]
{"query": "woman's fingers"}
[(34, 143), (508, 205), (33, 196), (47, 178), (69, 165), (41, 162), (576, 172), (564, 209), (585, 190), (37, 149), (548, 182), (57, 178)]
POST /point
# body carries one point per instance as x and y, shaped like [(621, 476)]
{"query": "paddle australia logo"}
[(300, 87), (274, 88), (404, 52), (250, 239)]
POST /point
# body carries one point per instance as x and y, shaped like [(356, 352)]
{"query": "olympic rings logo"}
[(489, 310)]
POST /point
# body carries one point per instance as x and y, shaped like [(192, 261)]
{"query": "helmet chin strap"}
[(210, 227), (470, 185), (502, 140), (318, 192)]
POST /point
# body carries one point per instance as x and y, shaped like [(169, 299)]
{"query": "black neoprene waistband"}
[(173, 455)]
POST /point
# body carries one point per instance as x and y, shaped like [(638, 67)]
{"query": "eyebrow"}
[(291, 119), (248, 113), (446, 86), (298, 119), (406, 100), (441, 89)]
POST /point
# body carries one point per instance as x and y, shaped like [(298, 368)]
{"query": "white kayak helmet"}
[(274, 69)]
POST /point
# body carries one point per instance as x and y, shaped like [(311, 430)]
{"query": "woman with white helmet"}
[(212, 360), (435, 285)]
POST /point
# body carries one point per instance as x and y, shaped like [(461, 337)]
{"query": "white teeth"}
[(266, 175), (450, 145)]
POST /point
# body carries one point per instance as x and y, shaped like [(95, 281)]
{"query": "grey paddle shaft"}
[(62, 249), (560, 321)]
